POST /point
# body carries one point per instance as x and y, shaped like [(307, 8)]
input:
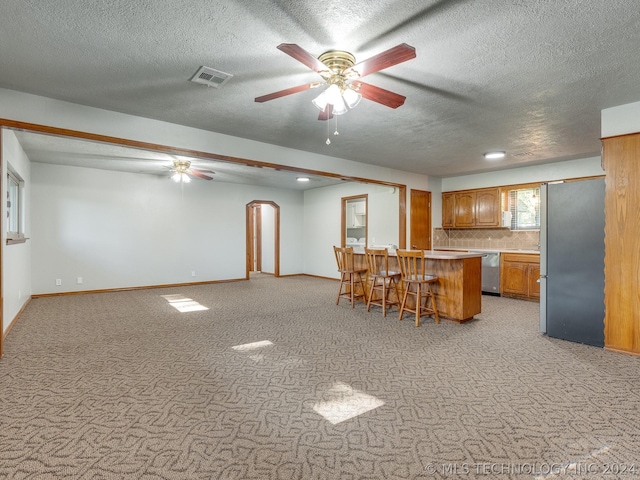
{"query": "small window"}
[(14, 187), (524, 205)]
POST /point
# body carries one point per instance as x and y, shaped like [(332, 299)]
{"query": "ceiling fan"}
[(341, 73), (182, 169)]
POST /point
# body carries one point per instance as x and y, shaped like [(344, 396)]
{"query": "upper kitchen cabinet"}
[(471, 208), (448, 199), (357, 213)]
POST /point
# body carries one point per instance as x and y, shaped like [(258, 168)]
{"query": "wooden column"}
[(621, 162)]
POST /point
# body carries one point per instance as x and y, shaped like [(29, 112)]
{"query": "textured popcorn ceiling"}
[(526, 76)]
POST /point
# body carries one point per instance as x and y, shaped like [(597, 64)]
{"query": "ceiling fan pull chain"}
[(328, 142), (336, 132)]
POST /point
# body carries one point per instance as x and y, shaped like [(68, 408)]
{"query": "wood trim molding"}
[(1, 263), (15, 319), (402, 217), (129, 289), (276, 227), (343, 217), (33, 127)]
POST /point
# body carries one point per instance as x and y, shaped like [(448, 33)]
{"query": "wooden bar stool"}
[(382, 279), (350, 276), (417, 283)]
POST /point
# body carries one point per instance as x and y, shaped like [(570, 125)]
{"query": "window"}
[(524, 205), (14, 191)]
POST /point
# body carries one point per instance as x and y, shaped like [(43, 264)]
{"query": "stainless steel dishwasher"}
[(491, 272)]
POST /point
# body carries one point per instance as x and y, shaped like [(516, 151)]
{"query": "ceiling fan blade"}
[(303, 56), (388, 58), (379, 95), (327, 113), (203, 171), (285, 92), (195, 173)]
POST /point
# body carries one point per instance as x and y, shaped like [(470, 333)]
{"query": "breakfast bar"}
[(458, 290)]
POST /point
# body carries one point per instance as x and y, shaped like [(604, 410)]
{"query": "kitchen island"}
[(458, 290)]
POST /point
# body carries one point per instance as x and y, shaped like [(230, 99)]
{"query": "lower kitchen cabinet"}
[(519, 275)]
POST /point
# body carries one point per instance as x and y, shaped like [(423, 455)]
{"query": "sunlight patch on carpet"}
[(183, 304), (342, 402)]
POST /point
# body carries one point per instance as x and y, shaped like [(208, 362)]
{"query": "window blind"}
[(524, 205)]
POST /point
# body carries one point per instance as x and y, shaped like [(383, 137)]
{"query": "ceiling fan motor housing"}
[(337, 60)]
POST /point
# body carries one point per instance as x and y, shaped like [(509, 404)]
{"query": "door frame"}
[(343, 229), (250, 209)]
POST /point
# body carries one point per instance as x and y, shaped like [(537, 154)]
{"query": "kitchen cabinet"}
[(472, 208), (356, 215), (519, 275), (447, 210)]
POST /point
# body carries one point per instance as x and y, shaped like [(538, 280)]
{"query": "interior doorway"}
[(420, 220), (263, 237), (354, 221)]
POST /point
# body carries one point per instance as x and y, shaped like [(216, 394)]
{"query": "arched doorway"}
[(262, 233)]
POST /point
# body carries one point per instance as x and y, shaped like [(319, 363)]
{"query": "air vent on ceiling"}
[(210, 77), (522, 154)]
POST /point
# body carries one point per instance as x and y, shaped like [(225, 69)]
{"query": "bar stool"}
[(382, 279), (418, 284), (350, 276)]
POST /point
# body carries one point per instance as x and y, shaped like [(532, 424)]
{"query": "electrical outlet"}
[(193, 273), (79, 280), (58, 281)]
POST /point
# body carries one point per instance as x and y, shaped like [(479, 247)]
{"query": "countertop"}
[(433, 254), (501, 250)]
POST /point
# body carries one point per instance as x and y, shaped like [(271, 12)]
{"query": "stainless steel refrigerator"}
[(572, 261)]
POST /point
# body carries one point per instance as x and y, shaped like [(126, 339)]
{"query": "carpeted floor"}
[(127, 386)]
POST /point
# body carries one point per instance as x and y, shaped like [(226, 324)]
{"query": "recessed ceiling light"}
[(303, 179), (494, 155)]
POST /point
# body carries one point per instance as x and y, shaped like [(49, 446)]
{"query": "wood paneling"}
[(621, 162)]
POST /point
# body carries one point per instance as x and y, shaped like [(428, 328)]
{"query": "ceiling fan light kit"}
[(182, 170), (180, 177), (340, 72)]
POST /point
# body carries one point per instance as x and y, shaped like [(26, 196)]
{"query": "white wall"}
[(16, 259), (118, 229), (586, 167), (322, 222), (268, 237), (45, 111), (621, 120)]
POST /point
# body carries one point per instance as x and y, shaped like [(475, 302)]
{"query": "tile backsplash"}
[(486, 238)]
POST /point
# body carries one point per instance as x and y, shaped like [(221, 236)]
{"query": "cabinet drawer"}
[(521, 257)]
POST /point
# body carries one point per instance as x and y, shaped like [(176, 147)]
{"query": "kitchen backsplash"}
[(486, 238)]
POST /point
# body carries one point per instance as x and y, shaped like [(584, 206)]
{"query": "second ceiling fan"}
[(341, 73)]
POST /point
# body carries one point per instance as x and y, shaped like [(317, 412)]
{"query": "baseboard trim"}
[(127, 289), (15, 319), (317, 276), (617, 350)]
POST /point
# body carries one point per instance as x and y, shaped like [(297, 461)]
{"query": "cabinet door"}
[(448, 210), (351, 216), (464, 206), (534, 276), (488, 212), (516, 278)]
